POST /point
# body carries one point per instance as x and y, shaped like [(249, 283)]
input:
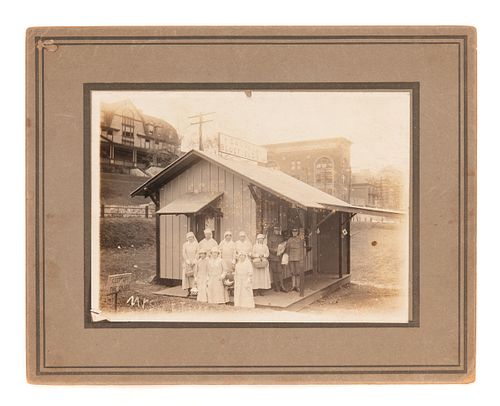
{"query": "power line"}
[(200, 123)]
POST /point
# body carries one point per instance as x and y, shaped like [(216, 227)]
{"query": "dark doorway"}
[(201, 221), (328, 245)]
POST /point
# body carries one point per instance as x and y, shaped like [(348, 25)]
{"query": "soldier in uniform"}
[(273, 241), (295, 248)]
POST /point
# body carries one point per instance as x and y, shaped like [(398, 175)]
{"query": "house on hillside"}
[(200, 190), (133, 142)]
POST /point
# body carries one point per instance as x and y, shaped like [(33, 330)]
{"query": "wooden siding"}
[(237, 206), (240, 213)]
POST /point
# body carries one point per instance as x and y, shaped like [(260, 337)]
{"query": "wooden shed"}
[(201, 190)]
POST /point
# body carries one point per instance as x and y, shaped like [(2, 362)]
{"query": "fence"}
[(140, 211)]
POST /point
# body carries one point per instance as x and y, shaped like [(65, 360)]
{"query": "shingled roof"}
[(165, 131)]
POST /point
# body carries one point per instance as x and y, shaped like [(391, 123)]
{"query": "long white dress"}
[(261, 276), (201, 275), (216, 292), (189, 255), (243, 294)]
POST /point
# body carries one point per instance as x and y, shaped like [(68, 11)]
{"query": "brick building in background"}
[(323, 163), (380, 189), (133, 142), (364, 191)]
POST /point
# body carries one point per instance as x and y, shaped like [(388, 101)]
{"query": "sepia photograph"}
[(260, 205), (251, 206)]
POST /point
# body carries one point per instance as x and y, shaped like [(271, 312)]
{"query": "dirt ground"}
[(377, 283)]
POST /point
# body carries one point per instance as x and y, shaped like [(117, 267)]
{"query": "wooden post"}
[(313, 240), (318, 251), (218, 232), (146, 211), (156, 199), (340, 244), (191, 223), (259, 204), (348, 243), (263, 209)]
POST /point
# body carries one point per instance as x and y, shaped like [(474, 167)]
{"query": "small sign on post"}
[(116, 283)]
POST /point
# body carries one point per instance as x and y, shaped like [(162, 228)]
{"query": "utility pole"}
[(200, 123)]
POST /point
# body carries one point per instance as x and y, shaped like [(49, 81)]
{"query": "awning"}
[(190, 203)]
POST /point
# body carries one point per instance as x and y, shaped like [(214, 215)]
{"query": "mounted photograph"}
[(251, 205)]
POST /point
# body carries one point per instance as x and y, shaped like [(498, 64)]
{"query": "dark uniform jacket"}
[(295, 249), (272, 243)]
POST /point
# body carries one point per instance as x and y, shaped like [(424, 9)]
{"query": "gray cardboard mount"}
[(62, 348)]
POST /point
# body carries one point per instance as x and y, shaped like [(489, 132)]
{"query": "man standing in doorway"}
[(273, 241), (295, 247)]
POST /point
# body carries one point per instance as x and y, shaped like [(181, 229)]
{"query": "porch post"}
[(111, 153), (134, 157), (340, 244), (348, 245), (259, 204), (313, 239), (156, 201)]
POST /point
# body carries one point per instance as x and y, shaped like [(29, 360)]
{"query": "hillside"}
[(116, 189)]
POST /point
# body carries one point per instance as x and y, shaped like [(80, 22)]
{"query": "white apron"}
[(243, 294), (216, 292), (261, 276), (201, 280), (189, 254)]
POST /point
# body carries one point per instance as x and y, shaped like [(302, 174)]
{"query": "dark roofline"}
[(156, 121)]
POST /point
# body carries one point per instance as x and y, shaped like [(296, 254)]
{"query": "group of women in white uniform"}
[(209, 269)]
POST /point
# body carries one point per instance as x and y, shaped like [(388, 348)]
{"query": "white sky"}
[(377, 123)]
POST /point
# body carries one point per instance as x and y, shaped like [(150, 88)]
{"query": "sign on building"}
[(236, 147)]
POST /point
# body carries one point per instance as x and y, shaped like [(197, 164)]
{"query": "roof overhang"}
[(189, 203), (365, 210)]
